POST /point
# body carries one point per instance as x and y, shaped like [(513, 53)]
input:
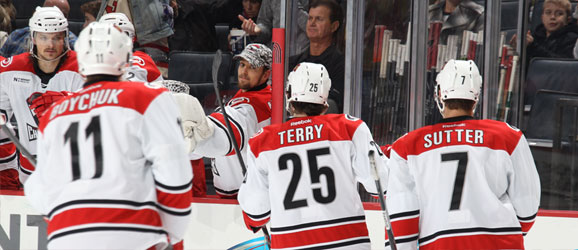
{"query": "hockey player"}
[(249, 110), (112, 169), (462, 183), (143, 68), (302, 174), (49, 66)]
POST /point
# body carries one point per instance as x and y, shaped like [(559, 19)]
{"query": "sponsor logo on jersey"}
[(300, 122), (138, 60), (237, 101), (32, 132), (6, 62), (21, 79)]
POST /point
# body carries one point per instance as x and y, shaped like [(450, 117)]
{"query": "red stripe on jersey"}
[(526, 226), (236, 130), (144, 61), (303, 130), (405, 227), (483, 241), (7, 150), (482, 133), (254, 223), (179, 201), (317, 236), (25, 163), (83, 216), (131, 95)]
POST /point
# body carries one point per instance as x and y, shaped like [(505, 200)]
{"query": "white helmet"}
[(102, 48), (458, 80), (120, 20), (308, 82), (48, 19)]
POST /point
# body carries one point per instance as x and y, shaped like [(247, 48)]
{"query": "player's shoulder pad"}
[(20, 62), (70, 63)]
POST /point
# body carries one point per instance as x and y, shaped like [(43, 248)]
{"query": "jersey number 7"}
[(462, 158), (315, 173)]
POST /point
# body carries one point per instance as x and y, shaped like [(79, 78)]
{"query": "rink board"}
[(220, 226)]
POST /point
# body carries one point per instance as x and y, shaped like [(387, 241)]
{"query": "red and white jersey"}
[(8, 159), (112, 170), (19, 81), (143, 69), (462, 184), (303, 174), (248, 112)]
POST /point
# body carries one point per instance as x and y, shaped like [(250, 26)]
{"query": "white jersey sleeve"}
[(363, 143), (524, 190), (165, 149), (257, 182)]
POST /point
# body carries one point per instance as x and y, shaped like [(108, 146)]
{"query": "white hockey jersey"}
[(112, 169), (248, 112), (143, 69), (303, 175), (462, 184), (18, 81)]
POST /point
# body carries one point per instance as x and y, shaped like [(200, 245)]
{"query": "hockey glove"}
[(196, 126), (40, 102)]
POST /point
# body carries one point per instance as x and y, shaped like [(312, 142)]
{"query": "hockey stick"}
[(216, 65), (381, 200), (102, 9), (20, 147)]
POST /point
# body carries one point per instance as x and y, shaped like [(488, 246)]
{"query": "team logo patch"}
[(238, 100), (32, 132), (138, 60), (6, 62), (351, 118)]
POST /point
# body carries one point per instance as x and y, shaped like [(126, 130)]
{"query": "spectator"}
[(457, 16), (195, 27), (90, 11), (325, 19), (575, 16), (251, 10), (269, 18), (556, 35), (19, 40), (7, 14)]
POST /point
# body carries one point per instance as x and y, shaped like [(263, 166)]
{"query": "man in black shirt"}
[(325, 18)]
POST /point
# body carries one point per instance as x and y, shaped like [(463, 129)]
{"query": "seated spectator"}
[(19, 40), (325, 18), (250, 11), (457, 16), (556, 36), (269, 18), (90, 11)]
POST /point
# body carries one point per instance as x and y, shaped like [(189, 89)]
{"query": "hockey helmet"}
[(49, 20), (120, 20), (308, 82), (103, 49), (458, 79)]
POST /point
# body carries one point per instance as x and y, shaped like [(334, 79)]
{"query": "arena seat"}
[(196, 67), (541, 123), (509, 15), (222, 36), (551, 74)]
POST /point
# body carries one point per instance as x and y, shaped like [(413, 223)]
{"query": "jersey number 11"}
[(71, 135)]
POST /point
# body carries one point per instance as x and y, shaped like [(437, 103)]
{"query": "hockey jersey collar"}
[(103, 78), (456, 119), (258, 87)]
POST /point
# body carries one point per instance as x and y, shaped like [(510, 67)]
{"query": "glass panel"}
[(386, 69), (455, 32)]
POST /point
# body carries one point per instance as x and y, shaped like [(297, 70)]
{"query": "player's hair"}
[(91, 7), (5, 21), (462, 104), (310, 109), (334, 7), (562, 3)]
